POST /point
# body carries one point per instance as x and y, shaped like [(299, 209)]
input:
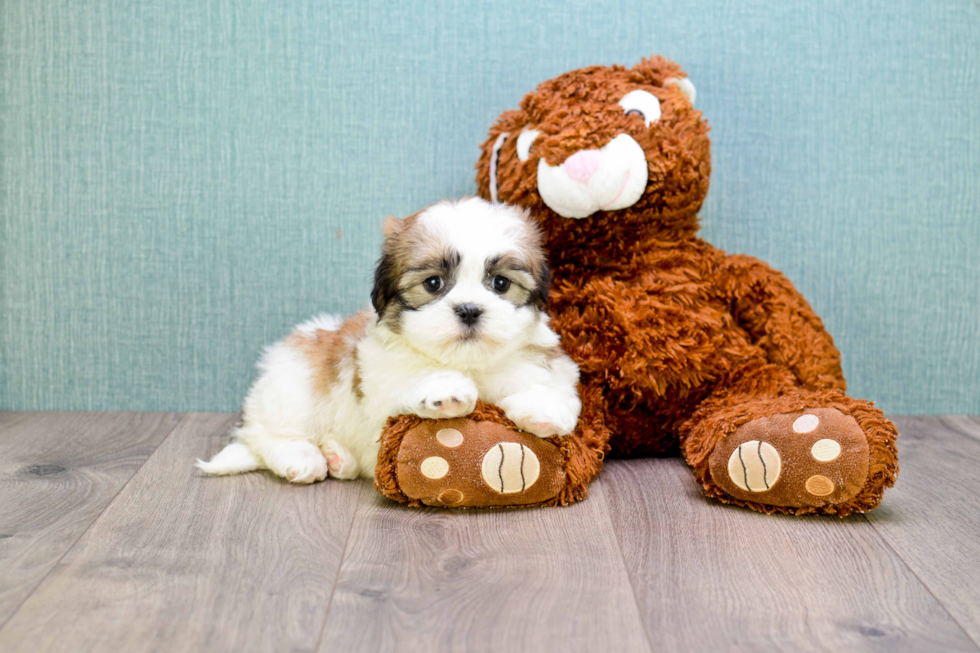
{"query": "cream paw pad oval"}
[(510, 467), (754, 466)]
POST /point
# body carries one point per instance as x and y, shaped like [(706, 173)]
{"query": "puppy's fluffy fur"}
[(458, 314)]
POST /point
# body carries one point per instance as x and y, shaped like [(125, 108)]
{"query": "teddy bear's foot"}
[(818, 457), (462, 463)]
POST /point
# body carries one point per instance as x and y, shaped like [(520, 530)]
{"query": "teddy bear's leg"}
[(484, 460), (766, 443)]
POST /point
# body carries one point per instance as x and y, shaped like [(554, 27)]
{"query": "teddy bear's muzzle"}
[(610, 178)]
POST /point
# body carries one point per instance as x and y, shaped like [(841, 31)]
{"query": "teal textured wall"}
[(182, 181)]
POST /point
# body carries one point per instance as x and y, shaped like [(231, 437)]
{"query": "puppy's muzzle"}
[(468, 314)]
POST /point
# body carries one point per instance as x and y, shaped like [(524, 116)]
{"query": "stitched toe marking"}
[(510, 467), (819, 486), (451, 497), (449, 438), (434, 467), (754, 466), (825, 450), (806, 423)]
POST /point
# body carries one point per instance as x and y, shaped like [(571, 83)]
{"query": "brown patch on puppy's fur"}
[(330, 353)]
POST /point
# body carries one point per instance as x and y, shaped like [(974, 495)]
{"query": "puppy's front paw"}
[(444, 395), (542, 412)]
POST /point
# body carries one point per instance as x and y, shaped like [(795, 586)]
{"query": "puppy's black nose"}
[(468, 314)]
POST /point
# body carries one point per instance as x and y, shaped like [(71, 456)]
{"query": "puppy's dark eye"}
[(636, 112), (433, 284), (501, 284)]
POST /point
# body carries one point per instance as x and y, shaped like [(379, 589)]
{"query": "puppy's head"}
[(464, 282)]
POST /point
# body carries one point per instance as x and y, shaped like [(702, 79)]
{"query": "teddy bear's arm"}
[(777, 317)]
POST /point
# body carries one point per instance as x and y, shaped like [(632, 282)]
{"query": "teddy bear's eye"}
[(641, 103), (524, 142)]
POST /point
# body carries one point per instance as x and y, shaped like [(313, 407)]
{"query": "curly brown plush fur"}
[(680, 345)]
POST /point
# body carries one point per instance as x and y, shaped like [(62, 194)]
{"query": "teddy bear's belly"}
[(656, 354)]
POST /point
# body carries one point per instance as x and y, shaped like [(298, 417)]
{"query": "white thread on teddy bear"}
[(494, 156)]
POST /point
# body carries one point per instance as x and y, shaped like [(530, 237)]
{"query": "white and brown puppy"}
[(458, 315)]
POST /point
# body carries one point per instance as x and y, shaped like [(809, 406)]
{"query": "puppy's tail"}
[(233, 459)]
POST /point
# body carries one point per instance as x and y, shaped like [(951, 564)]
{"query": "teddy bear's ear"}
[(685, 85), (660, 71)]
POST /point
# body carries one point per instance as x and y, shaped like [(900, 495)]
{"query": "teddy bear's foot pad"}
[(459, 463), (817, 457)]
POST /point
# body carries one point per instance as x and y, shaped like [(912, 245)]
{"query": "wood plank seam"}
[(967, 432), (626, 571), (943, 419), (93, 522), (925, 585), (340, 567), (872, 602), (465, 563)]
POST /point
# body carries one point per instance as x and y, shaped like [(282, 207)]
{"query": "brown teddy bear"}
[(680, 345)]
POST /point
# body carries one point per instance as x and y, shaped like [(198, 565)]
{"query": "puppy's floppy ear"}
[(391, 226), (386, 272), (542, 282), (385, 280), (537, 258)]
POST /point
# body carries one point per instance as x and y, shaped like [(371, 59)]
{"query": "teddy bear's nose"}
[(582, 165)]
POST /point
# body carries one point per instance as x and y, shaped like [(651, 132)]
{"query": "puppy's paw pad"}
[(544, 429), (341, 463), (446, 396), (540, 429), (539, 413), (442, 404)]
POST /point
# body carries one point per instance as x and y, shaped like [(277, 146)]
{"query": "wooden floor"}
[(111, 541)]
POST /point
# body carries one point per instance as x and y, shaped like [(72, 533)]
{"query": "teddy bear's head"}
[(604, 154)]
